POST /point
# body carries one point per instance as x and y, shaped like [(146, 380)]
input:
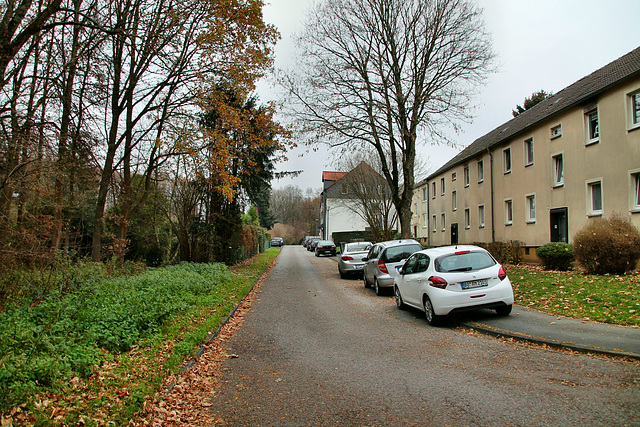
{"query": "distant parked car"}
[(325, 247), (382, 259), (311, 246), (277, 241), (350, 260), (440, 281), (307, 239)]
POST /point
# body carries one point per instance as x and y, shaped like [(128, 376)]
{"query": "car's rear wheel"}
[(366, 282), (399, 303), (432, 318), (342, 275), (504, 310), (376, 286)]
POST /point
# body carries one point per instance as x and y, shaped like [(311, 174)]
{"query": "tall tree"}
[(382, 73)]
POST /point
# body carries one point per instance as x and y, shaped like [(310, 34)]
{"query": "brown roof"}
[(582, 91), (332, 176)]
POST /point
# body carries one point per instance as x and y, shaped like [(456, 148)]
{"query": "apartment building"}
[(543, 175)]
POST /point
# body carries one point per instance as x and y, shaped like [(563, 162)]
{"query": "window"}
[(425, 221), (531, 207), (634, 110), (635, 191), (344, 189), (506, 160), (467, 218), (556, 131), (481, 216), (433, 190), (454, 201), (508, 212), (435, 225), (480, 171), (466, 175), (454, 176), (593, 126), (528, 152), (442, 218), (558, 170), (424, 194), (442, 185), (594, 197)]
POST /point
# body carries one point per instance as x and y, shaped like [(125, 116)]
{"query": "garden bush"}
[(608, 246), (504, 252), (556, 255)]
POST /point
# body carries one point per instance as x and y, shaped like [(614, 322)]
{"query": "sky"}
[(539, 44)]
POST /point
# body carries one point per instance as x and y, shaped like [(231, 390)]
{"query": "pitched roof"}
[(332, 176), (581, 91)]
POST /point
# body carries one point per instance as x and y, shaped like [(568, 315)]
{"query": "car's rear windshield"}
[(398, 253), (358, 247), (467, 261), (325, 243)]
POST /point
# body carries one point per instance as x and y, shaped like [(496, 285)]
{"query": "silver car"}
[(382, 260), (350, 260)]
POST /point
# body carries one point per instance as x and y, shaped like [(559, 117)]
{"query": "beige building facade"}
[(542, 176)]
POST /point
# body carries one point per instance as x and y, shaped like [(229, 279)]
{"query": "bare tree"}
[(381, 73)]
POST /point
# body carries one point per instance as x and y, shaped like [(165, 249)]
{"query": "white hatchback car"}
[(440, 281)]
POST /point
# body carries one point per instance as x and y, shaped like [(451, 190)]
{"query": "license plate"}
[(475, 284), (357, 267)]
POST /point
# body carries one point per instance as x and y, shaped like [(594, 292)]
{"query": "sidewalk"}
[(560, 332)]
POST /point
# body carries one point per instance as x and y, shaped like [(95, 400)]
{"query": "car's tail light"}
[(347, 258), (437, 282), (382, 267), (502, 274)]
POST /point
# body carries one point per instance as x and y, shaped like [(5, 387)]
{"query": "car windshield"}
[(398, 253), (358, 247), (466, 261)]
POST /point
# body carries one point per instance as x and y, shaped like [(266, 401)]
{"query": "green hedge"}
[(556, 255)]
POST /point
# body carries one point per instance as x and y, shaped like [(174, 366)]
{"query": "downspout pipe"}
[(493, 228)]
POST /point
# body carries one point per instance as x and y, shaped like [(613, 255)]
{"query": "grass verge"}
[(117, 388), (609, 298)]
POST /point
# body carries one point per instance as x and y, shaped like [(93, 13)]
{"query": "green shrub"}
[(608, 246), (556, 255)]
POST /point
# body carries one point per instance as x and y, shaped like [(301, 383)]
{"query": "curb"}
[(499, 333), (232, 313)]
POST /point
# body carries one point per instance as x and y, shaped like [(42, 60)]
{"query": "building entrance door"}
[(559, 225), (454, 233)]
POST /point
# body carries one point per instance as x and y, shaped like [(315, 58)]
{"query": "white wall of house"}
[(340, 217)]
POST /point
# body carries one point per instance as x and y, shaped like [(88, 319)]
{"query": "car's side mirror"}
[(400, 269)]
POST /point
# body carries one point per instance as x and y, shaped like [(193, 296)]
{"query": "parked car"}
[(311, 246), (307, 239), (325, 247), (277, 241), (382, 259), (350, 260), (440, 281)]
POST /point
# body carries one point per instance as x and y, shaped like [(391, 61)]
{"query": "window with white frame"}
[(466, 175), (594, 197), (442, 185), (454, 176), (508, 212), (454, 201), (480, 171), (556, 132), (506, 160), (424, 194), (634, 110), (435, 224), (592, 126), (528, 152), (635, 191), (444, 224), (433, 190), (425, 220), (467, 218), (345, 189), (531, 207), (481, 216), (558, 170)]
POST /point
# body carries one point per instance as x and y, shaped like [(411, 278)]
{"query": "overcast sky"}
[(540, 44)]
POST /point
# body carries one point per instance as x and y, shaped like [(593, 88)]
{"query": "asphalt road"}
[(318, 350)]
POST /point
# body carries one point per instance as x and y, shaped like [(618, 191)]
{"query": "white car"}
[(440, 281), (350, 260)]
